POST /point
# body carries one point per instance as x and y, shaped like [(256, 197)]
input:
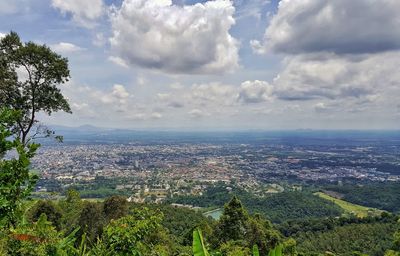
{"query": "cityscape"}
[(143, 170)]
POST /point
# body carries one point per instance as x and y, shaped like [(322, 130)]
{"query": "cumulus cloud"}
[(90, 99), (255, 92), (65, 48), (340, 26), (337, 54), (306, 77), (83, 13), (175, 39), (212, 92), (119, 92)]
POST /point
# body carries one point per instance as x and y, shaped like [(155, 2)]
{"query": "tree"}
[(115, 207), (232, 224), (16, 181), (72, 208), (260, 232), (51, 210), (126, 236), (33, 88), (91, 221)]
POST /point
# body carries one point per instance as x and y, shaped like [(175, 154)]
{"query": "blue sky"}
[(215, 65)]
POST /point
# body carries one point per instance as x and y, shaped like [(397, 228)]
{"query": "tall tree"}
[(29, 76), (233, 222)]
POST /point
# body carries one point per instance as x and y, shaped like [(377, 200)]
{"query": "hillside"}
[(350, 208)]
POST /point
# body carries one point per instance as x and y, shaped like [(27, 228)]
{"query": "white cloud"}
[(90, 99), (156, 115), (163, 96), (79, 106), (339, 26), (307, 77), (170, 100), (118, 61), (176, 39), (340, 56), (2, 35), (83, 12), (196, 113), (212, 92), (119, 92), (65, 48), (255, 92)]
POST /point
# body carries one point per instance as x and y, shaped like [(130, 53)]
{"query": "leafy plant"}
[(255, 250), (16, 181), (277, 251), (199, 248)]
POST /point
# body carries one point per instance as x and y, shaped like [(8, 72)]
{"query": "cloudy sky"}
[(201, 65)]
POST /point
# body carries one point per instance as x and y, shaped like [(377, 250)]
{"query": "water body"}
[(215, 214)]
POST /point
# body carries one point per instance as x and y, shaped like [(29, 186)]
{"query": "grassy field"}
[(349, 208)]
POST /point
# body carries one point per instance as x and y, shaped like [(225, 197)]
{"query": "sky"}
[(220, 65)]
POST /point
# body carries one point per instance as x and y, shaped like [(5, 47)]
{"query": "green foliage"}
[(72, 207), (91, 221), (115, 207), (367, 238), (256, 252), (260, 232), (293, 227), (293, 205), (199, 247), (396, 239), (181, 222), (234, 248), (350, 208), (392, 253), (44, 70), (232, 224), (289, 247), (16, 182), (52, 211), (278, 207), (277, 251), (396, 242), (38, 239), (126, 236), (377, 195)]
